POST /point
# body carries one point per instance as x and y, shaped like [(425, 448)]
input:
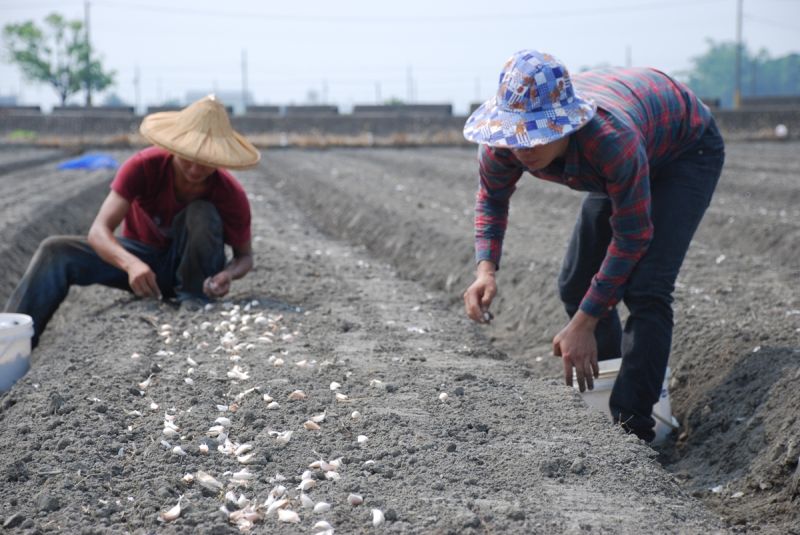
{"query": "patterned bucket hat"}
[(534, 105)]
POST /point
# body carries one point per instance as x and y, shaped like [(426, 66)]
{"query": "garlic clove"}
[(246, 459), (242, 449), (172, 514), (307, 484), (274, 506), (208, 481), (355, 499), (319, 418), (144, 384), (298, 395), (322, 525), (287, 515), (377, 517), (311, 426), (237, 373), (223, 421), (306, 501), (322, 507)]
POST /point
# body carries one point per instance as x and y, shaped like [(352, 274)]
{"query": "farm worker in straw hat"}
[(649, 154), (179, 206)]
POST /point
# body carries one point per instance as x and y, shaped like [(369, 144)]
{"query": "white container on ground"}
[(598, 398), (16, 331)]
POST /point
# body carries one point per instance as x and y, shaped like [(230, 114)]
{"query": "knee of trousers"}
[(650, 300), (203, 215), (52, 249)]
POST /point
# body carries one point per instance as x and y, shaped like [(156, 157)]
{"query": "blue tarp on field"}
[(90, 161)]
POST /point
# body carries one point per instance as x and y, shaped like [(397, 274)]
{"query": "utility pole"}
[(88, 74), (377, 92), (324, 91), (244, 81), (409, 86), (628, 57), (737, 93), (136, 89)]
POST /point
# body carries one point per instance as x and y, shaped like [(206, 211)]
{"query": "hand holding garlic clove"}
[(218, 285)]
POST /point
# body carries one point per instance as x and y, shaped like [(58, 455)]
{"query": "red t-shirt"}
[(146, 180)]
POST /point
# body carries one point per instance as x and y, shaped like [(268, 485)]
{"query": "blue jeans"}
[(197, 251), (680, 193)]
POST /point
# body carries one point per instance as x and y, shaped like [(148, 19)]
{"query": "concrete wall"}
[(772, 102), (744, 124), (757, 123), (437, 110)]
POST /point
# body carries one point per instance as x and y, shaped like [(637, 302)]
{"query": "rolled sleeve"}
[(499, 172), (628, 185)]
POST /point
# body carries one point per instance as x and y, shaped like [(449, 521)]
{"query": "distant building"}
[(8, 100)]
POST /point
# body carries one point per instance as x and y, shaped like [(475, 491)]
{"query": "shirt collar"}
[(572, 158), (568, 167)]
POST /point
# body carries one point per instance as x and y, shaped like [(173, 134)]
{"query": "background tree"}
[(713, 73), (56, 55), (113, 100)]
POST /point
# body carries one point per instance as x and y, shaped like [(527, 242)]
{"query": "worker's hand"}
[(576, 345), (479, 295), (218, 285), (142, 280)]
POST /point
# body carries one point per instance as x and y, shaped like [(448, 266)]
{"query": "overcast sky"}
[(360, 51)]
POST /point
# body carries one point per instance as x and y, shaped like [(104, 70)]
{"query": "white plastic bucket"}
[(598, 398), (16, 331)]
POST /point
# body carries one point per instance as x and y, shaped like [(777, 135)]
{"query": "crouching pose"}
[(179, 206), (648, 152)]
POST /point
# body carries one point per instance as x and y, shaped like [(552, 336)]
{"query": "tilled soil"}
[(371, 302)]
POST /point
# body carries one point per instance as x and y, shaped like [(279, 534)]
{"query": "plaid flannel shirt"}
[(644, 119)]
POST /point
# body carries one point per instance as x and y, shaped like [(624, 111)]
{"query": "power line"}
[(395, 19), (774, 23)]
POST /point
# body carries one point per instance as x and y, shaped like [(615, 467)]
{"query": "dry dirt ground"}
[(362, 255)]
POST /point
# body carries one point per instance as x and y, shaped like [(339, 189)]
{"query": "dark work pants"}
[(196, 252), (680, 193)]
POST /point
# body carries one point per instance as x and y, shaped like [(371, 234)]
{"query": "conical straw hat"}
[(202, 133)]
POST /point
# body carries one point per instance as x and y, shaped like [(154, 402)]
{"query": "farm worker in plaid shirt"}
[(650, 155)]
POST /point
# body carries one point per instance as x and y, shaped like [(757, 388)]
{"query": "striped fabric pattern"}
[(644, 120)]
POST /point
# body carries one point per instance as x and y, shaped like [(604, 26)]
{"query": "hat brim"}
[(497, 127), (230, 152)]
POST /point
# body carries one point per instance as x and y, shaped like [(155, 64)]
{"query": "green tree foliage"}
[(57, 55), (713, 74)]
